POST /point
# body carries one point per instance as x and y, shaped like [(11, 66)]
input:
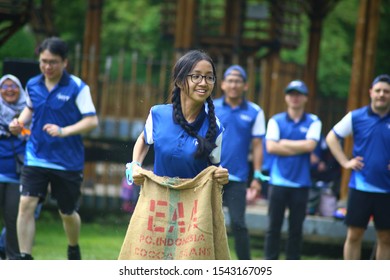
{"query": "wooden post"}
[(185, 24), (179, 24), (90, 72), (149, 98), (220, 70), (251, 78), (317, 11), (313, 54), (119, 86), (105, 88), (362, 69), (233, 22), (76, 68), (276, 96), (133, 99), (162, 79), (265, 77)]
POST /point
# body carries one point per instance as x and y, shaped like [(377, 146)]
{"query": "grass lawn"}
[(101, 238)]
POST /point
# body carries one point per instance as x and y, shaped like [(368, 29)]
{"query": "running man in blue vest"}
[(244, 125), (291, 137), (369, 185), (61, 108)]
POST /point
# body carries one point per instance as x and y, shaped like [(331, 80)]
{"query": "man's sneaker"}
[(25, 257), (74, 252)]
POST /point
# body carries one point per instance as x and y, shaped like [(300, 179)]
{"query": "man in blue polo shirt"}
[(244, 128), (291, 137), (369, 185), (60, 108)]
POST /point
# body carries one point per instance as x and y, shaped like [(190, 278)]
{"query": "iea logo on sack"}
[(160, 209)]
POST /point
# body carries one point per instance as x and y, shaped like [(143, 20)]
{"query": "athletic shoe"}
[(25, 257), (74, 252)]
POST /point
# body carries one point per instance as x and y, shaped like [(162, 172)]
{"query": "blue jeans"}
[(234, 198), (280, 198)]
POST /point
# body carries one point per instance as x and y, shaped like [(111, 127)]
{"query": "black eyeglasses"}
[(51, 63), (197, 78), (9, 86)]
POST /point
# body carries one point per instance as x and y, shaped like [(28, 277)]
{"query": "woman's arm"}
[(16, 125), (140, 151)]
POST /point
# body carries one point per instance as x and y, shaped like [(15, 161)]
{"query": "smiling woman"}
[(12, 102), (10, 91), (172, 128), (186, 134)]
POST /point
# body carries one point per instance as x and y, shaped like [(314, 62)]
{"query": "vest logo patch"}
[(303, 129), (245, 118), (62, 97)]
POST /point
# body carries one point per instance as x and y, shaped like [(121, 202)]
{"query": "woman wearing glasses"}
[(12, 102), (187, 138), (186, 134), (61, 109)]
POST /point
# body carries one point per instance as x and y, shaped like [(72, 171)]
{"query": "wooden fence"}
[(130, 84)]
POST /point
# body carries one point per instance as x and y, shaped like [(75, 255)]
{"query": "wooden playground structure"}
[(248, 32)]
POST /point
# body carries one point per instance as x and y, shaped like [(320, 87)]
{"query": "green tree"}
[(135, 26), (335, 50), (131, 25), (69, 19), (20, 45), (337, 43)]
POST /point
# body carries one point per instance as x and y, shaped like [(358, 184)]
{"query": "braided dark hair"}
[(179, 76)]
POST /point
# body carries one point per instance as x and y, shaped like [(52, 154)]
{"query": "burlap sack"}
[(180, 219)]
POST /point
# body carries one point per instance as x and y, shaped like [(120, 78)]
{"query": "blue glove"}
[(260, 176), (129, 171)]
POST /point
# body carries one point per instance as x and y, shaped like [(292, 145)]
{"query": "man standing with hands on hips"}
[(369, 184)]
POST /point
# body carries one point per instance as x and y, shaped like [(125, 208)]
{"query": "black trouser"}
[(234, 198), (9, 202), (280, 198)]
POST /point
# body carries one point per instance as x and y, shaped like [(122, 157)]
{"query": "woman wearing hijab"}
[(12, 102)]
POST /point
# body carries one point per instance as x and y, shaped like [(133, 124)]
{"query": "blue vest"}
[(57, 107), (239, 131), (292, 171), (9, 146), (371, 137), (174, 148)]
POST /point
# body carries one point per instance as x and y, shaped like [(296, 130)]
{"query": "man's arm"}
[(286, 147), (257, 161), (86, 124), (257, 153), (337, 151)]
